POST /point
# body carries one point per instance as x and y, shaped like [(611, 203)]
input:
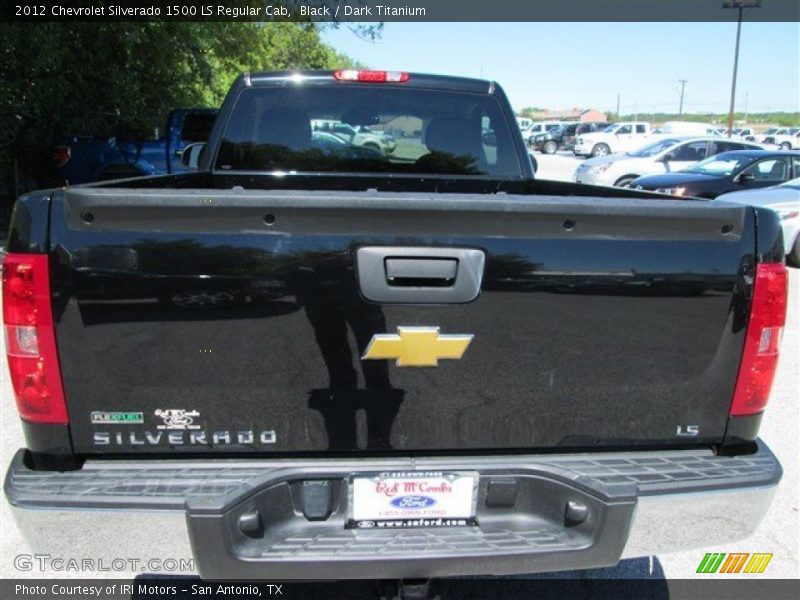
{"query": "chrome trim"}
[(143, 535), (675, 522), (136, 509), (662, 523)]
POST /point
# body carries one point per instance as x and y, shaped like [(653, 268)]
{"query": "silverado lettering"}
[(134, 438)]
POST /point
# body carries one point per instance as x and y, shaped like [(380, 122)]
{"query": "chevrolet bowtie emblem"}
[(416, 346)]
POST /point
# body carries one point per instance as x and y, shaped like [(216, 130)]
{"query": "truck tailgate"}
[(238, 320)]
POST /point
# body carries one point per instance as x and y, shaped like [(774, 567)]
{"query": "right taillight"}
[(764, 329)]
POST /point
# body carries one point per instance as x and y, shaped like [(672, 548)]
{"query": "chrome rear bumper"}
[(642, 503)]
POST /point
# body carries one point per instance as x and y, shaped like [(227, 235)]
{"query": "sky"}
[(565, 65)]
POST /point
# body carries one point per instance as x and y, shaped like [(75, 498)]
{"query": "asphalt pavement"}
[(778, 533)]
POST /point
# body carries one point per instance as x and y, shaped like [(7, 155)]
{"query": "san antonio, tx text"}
[(101, 591)]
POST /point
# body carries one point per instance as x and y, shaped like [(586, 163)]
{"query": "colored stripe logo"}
[(734, 562)]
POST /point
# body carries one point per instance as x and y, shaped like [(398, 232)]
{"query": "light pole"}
[(740, 5), (683, 89)]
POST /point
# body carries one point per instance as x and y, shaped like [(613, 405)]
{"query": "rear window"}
[(367, 129)]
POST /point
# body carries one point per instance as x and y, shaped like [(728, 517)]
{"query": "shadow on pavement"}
[(634, 578)]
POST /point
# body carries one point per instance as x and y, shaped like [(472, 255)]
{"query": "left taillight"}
[(30, 339), (761, 344), (61, 155)]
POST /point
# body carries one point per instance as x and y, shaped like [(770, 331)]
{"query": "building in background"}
[(579, 115)]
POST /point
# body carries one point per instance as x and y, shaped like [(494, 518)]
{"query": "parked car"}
[(360, 135), (455, 370), (741, 133), (524, 124), (662, 156), (619, 137), (540, 127), (333, 144), (563, 137), (784, 199), (767, 133), (726, 172), (787, 138), (550, 141), (85, 159)]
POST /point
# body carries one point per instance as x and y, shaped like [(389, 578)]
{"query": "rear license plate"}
[(408, 499)]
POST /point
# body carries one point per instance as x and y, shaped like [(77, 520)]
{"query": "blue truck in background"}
[(85, 159)]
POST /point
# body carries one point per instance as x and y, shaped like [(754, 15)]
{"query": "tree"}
[(107, 78)]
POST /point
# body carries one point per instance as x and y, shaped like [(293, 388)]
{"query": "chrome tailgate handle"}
[(419, 275), (437, 272)]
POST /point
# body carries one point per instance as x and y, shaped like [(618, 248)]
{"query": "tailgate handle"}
[(420, 275), (438, 272)]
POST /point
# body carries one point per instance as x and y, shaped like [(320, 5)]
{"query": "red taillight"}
[(760, 356), (31, 339), (370, 76), (61, 155)]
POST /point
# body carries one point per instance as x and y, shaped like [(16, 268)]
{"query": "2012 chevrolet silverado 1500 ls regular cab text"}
[(310, 359)]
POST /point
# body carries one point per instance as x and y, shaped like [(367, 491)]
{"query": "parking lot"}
[(559, 166)]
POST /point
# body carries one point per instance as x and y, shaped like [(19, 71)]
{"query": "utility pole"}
[(746, 102), (739, 5), (683, 89)]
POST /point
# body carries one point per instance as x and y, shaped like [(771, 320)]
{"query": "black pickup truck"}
[(308, 360)]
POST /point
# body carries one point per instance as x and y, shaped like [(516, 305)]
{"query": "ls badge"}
[(417, 346)]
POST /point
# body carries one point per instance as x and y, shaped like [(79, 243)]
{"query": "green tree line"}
[(60, 79), (780, 119)]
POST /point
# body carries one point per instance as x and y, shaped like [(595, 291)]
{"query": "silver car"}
[(668, 154), (784, 199)]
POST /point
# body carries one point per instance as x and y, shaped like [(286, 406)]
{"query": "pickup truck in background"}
[(624, 137), (620, 137), (302, 361), (786, 138), (86, 159)]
